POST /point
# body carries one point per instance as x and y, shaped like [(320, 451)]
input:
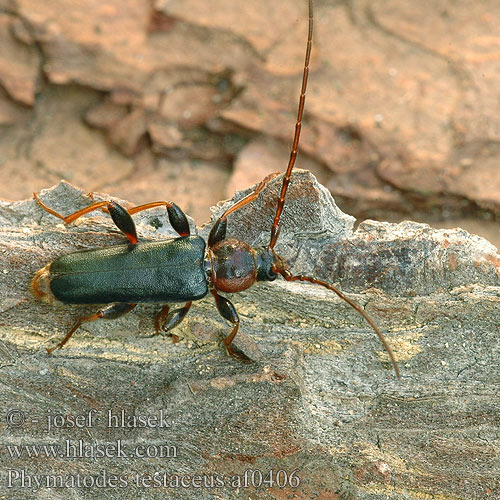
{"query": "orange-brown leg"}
[(176, 216), (111, 312), (218, 231), (227, 311), (250, 197), (167, 320), (160, 318), (119, 215)]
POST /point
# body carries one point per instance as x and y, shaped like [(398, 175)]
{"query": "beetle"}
[(178, 270)]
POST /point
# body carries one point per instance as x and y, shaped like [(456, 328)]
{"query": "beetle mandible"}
[(179, 270)]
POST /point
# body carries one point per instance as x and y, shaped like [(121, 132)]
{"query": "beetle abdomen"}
[(160, 271)]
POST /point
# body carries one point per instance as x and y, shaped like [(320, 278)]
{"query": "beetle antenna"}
[(279, 267), (298, 126)]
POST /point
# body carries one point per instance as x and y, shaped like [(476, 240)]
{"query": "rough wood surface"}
[(319, 396)]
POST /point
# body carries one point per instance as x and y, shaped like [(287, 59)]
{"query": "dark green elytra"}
[(160, 271)]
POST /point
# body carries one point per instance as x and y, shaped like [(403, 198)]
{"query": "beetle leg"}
[(119, 215), (218, 231), (176, 216), (113, 311), (250, 197), (160, 318), (167, 320), (227, 311), (123, 221)]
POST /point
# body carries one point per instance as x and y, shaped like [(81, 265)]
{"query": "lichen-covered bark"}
[(318, 397)]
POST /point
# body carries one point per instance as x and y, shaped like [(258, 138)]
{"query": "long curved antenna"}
[(298, 126), (280, 268)]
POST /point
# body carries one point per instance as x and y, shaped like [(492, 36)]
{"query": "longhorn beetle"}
[(178, 270)]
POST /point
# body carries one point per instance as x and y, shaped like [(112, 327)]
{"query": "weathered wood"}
[(319, 397)]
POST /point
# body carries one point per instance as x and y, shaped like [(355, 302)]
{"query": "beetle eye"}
[(271, 275)]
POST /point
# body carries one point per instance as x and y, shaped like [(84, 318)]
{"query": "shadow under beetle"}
[(178, 270)]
